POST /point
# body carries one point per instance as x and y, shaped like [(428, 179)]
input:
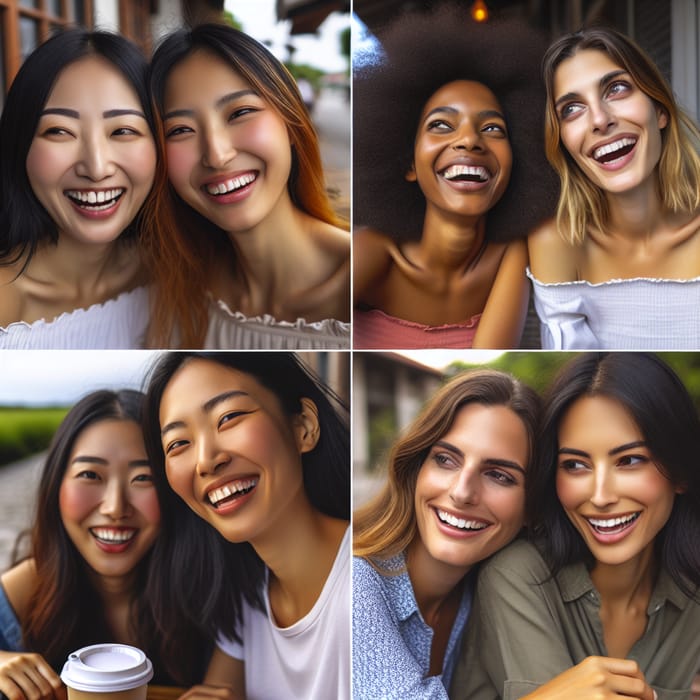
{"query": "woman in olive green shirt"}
[(605, 603)]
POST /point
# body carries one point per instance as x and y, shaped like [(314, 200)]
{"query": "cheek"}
[(43, 165), (181, 159), (146, 502), (75, 503), (142, 162), (179, 476), (570, 491), (508, 505)]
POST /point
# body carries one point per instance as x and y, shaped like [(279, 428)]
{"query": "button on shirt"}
[(391, 641), (527, 628)]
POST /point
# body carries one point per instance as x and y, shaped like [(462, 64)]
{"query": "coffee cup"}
[(107, 671)]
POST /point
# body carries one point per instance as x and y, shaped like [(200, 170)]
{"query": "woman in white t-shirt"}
[(253, 444)]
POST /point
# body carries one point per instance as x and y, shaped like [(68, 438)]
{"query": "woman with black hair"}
[(77, 138), (98, 519), (604, 602), (253, 444), (449, 177)]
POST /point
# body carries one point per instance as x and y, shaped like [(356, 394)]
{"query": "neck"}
[(450, 244), (637, 214), (433, 582), (628, 583)]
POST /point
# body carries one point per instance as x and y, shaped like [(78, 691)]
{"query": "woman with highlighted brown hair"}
[(246, 210), (619, 268), (455, 495)]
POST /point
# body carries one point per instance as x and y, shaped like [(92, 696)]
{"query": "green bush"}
[(26, 431)]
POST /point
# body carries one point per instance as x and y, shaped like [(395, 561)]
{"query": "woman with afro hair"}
[(449, 177)]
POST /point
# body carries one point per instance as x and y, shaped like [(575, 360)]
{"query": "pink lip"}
[(618, 163), (236, 195), (233, 505), (96, 215), (612, 538), (114, 547), (455, 532)]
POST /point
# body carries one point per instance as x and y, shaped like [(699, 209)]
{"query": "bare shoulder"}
[(19, 583), (552, 259), (373, 255), (11, 295)]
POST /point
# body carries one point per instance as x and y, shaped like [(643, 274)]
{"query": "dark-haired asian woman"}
[(604, 601), (258, 454), (97, 520)]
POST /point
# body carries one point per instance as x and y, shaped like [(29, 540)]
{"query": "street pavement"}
[(18, 485)]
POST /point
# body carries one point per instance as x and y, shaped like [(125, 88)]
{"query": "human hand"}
[(695, 690), (211, 692), (598, 677), (29, 677)]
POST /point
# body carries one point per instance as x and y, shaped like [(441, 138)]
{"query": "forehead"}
[(91, 80), (583, 69), (202, 75), (599, 418), (462, 93), (106, 430)]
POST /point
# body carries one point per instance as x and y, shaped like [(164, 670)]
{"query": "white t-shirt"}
[(310, 660)]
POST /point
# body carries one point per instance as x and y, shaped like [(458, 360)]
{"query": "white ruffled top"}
[(620, 314), (233, 330), (118, 323)]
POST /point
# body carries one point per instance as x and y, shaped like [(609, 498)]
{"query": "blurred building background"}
[(669, 30)]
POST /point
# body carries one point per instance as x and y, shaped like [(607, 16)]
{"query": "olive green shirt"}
[(527, 627)]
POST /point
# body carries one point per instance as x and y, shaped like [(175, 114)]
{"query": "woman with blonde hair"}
[(455, 494), (619, 267), (246, 209)]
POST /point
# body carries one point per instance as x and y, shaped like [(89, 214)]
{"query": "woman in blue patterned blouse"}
[(455, 494)]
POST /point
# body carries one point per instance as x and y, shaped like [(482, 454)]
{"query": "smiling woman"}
[(79, 160), (619, 268), (605, 598)]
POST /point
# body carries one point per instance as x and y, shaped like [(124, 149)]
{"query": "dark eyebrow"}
[(207, 406), (221, 102), (89, 459), (494, 461), (63, 112), (612, 453), (484, 114), (605, 80), (111, 113)]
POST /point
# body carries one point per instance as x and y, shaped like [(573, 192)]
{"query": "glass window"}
[(28, 35), (34, 4), (53, 7)]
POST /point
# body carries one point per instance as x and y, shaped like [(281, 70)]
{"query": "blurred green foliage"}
[(26, 431), (301, 70)]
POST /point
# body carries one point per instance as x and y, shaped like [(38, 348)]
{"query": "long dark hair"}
[(201, 576), (662, 408), (66, 611), (24, 223)]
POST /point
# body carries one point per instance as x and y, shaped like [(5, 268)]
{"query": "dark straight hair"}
[(201, 576), (658, 402), (24, 223)]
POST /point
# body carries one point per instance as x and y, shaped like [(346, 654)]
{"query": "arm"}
[(370, 263), (502, 321), (382, 664), (23, 676), (516, 645), (552, 259), (224, 680)]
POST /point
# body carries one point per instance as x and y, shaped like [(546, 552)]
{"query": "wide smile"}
[(95, 201), (612, 529), (615, 154), (231, 493), (459, 525), (231, 189), (113, 540), (466, 177)]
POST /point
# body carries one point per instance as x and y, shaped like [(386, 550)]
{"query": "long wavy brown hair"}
[(182, 245), (386, 526)]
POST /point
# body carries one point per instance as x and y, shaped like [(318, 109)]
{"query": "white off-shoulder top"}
[(233, 330), (118, 323), (620, 314)]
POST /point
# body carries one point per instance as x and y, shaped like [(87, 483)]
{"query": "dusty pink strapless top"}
[(374, 330)]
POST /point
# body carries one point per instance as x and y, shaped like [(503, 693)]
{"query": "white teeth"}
[(116, 536), (231, 185), (91, 197), (230, 489), (612, 147), (460, 522), (612, 522), (476, 171)]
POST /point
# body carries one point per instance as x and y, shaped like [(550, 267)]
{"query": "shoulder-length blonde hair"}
[(583, 204), (385, 526), (183, 244)]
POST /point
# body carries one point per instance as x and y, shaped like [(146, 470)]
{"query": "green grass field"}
[(26, 431)]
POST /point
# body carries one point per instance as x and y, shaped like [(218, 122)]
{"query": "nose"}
[(96, 159), (468, 138), (604, 493), (465, 487), (115, 502), (209, 457), (217, 148), (601, 116)]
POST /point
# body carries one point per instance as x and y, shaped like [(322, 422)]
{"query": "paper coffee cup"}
[(112, 671)]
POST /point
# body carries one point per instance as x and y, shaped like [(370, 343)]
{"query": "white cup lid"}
[(107, 668)]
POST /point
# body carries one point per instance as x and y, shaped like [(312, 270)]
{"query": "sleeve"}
[(515, 640), (10, 631), (231, 647), (383, 666)]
